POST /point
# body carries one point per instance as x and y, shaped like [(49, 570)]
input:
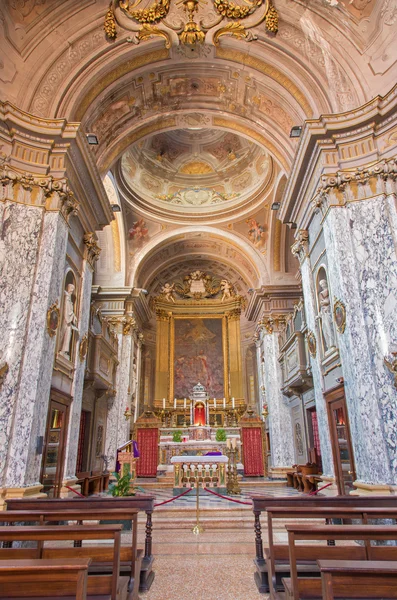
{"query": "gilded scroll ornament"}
[(191, 30), (83, 347), (339, 315), (311, 343), (53, 319)]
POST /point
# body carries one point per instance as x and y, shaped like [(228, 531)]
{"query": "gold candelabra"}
[(232, 484), (198, 528)]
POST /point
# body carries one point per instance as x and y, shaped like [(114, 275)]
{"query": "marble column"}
[(118, 427), (138, 375), (300, 249), (280, 424), (72, 443), (261, 382), (362, 257), (32, 254)]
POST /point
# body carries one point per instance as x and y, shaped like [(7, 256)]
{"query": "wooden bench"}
[(92, 482), (141, 502), (43, 578), (130, 556), (103, 586), (262, 503), (363, 579), (310, 587), (277, 556)]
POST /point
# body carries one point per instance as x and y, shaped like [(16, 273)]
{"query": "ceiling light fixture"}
[(92, 139), (296, 131)]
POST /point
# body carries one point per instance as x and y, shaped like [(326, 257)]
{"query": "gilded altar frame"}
[(167, 312), (225, 349)]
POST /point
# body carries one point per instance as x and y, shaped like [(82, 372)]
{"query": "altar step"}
[(164, 519)]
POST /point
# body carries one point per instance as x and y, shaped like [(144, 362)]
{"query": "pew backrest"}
[(375, 579), (52, 533), (43, 578)]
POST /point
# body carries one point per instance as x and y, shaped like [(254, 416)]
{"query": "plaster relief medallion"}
[(311, 343), (339, 315), (83, 347), (53, 318)]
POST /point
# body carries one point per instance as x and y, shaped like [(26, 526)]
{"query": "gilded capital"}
[(128, 324), (92, 249)]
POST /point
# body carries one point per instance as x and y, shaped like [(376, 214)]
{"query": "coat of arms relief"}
[(197, 285)]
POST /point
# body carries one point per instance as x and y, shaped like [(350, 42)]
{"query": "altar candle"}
[(224, 403), (234, 443), (184, 403), (174, 403), (163, 403), (215, 403), (233, 402), (228, 443)]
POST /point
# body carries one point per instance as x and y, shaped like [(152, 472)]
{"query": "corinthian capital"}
[(92, 249), (300, 248)]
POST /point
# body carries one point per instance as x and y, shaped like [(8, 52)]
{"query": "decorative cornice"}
[(359, 184), (92, 249), (300, 248), (46, 192)]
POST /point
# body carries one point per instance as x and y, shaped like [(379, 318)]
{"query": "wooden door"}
[(341, 441), (54, 448)]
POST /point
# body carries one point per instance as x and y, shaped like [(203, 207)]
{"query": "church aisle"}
[(215, 565)]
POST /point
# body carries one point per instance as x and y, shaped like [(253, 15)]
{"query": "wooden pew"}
[(304, 587), (130, 556), (358, 579), (140, 502), (261, 503), (107, 587), (277, 556), (44, 578)]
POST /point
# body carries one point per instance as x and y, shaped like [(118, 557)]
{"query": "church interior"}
[(198, 299)]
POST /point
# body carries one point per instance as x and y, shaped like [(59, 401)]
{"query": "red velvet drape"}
[(199, 415), (146, 465), (253, 451)]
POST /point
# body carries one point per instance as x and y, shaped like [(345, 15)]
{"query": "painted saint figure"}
[(69, 321), (326, 316)]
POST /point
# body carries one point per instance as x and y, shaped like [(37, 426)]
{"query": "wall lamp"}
[(116, 208), (293, 225), (275, 205), (295, 131), (92, 139)]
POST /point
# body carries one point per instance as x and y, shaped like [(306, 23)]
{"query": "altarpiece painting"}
[(198, 356)]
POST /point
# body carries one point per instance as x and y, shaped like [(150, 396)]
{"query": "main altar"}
[(198, 406)]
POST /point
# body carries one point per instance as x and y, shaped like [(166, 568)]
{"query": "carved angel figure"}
[(168, 292), (226, 290)]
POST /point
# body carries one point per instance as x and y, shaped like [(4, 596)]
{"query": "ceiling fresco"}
[(195, 167)]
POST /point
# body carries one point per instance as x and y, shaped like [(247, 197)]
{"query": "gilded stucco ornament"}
[(339, 315), (83, 348), (146, 18), (53, 319), (311, 343)]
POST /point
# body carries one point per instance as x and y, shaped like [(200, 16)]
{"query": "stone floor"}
[(214, 565)]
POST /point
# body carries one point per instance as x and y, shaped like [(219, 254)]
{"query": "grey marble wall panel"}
[(362, 259), (322, 417), (30, 405)]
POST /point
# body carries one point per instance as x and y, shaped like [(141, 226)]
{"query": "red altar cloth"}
[(199, 415), (253, 451), (146, 465)]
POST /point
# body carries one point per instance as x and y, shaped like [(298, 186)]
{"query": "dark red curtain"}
[(149, 452), (199, 415), (253, 451)]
